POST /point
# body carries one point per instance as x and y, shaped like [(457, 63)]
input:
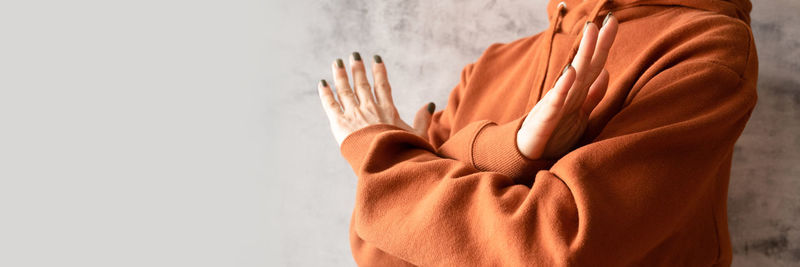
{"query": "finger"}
[(329, 104), (346, 96), (553, 102), (383, 91), (562, 87), (423, 119), (583, 57), (545, 116), (582, 66), (604, 41), (363, 89), (596, 92)]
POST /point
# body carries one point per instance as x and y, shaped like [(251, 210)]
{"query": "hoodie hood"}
[(594, 10), (739, 9)]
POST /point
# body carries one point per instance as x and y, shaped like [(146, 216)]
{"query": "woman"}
[(620, 158)]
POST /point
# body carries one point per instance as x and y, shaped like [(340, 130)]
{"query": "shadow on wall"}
[(764, 199), (763, 202)]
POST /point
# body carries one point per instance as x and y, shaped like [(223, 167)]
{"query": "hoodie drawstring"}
[(562, 9), (557, 24), (556, 20)]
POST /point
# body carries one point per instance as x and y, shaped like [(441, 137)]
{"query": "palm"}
[(566, 134), (559, 120)]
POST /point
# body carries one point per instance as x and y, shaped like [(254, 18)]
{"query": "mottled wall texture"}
[(426, 43)]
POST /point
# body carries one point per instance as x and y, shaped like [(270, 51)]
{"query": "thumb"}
[(423, 119)]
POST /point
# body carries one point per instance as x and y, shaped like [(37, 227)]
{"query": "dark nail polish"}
[(431, 107), (356, 56), (378, 59), (565, 69), (324, 82), (608, 16), (339, 63)]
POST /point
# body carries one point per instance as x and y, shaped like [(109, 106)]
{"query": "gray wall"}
[(189, 133), (764, 193)]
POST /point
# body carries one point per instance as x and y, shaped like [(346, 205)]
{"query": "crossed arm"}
[(639, 183), (550, 129)]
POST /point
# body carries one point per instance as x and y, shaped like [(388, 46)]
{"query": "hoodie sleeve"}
[(488, 146), (483, 145), (648, 172)]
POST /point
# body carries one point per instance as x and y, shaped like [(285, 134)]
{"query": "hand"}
[(357, 110), (559, 119)]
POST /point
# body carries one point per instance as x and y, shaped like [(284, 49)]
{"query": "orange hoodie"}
[(645, 186)]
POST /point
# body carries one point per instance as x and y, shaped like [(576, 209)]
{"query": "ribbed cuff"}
[(459, 146), (356, 146), (495, 149)]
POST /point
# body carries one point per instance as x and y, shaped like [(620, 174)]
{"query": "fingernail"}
[(431, 107), (606, 19), (378, 59), (566, 69), (324, 83), (586, 26), (356, 56), (339, 63)]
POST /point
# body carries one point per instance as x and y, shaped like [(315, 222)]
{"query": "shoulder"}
[(690, 35), (507, 53)]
